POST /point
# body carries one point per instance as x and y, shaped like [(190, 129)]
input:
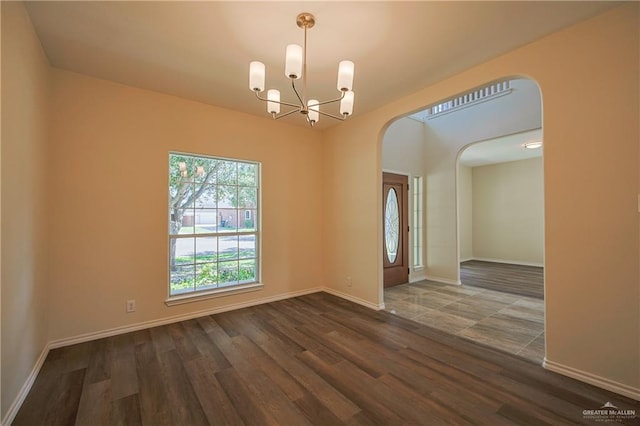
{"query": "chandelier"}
[(296, 68)]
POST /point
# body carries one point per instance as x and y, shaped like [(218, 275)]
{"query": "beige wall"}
[(588, 75), (109, 219), (25, 90), (403, 148), (508, 212), (465, 212)]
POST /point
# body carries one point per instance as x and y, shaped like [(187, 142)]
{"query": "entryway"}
[(495, 120), (510, 322)]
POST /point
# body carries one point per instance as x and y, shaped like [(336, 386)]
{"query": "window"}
[(464, 100), (213, 231), (417, 222)]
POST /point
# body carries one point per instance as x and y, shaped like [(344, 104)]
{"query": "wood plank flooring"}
[(312, 360), (515, 279)]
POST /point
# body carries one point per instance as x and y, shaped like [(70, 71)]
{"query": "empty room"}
[(195, 212)]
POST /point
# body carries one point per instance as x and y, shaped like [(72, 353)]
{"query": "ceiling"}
[(502, 149), (201, 50)]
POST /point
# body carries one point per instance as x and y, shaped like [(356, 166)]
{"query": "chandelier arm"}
[(330, 101), (334, 116), (284, 114), (293, 85), (278, 102)]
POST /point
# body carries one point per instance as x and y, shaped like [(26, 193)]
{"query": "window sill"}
[(212, 294), (418, 268)]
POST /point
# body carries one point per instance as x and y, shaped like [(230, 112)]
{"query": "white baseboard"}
[(354, 299), (177, 318), (442, 280), (508, 262), (601, 382), (415, 278), (592, 379), (24, 391), (58, 343), (466, 259)]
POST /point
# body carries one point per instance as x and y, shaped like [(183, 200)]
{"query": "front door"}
[(395, 191)]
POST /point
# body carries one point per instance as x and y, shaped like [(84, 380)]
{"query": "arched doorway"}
[(426, 146)]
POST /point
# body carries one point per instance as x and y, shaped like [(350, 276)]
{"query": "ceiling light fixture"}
[(295, 68), (533, 145)]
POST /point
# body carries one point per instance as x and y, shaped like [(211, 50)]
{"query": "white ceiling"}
[(502, 149), (201, 50)]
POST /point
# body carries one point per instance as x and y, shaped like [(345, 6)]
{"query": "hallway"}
[(508, 322)]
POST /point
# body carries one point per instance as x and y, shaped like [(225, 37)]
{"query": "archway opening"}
[(441, 149)]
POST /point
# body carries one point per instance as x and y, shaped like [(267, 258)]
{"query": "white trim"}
[(180, 298), (26, 388), (17, 403), (212, 294), (592, 379), (354, 299), (176, 318), (414, 278), (466, 259), (443, 280), (397, 172), (509, 262), (598, 381)]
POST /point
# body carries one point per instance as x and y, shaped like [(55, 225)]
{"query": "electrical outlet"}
[(348, 280), (131, 306)]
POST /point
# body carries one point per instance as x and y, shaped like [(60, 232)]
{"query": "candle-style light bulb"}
[(314, 110), (256, 76), (293, 61), (346, 104), (273, 96), (345, 76)]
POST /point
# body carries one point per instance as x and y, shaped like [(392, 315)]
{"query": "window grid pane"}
[(213, 217)]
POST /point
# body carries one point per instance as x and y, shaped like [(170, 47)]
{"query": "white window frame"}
[(417, 260), (227, 288)]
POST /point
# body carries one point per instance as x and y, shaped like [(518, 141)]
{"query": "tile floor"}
[(503, 321)]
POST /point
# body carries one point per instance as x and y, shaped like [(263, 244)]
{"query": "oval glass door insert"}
[(391, 225)]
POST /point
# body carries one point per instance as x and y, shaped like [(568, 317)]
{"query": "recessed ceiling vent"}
[(465, 100)]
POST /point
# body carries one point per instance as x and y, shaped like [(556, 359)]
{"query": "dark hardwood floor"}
[(315, 359), (515, 279)]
